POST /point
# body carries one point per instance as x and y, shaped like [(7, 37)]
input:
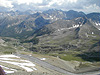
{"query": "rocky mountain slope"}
[(77, 35), (54, 30), (21, 23)]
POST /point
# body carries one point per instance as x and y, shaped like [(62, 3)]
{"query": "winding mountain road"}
[(48, 65)]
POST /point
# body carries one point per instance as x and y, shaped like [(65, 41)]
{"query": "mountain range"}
[(14, 24), (56, 30)]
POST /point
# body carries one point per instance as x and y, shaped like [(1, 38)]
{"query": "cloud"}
[(93, 8), (6, 3), (58, 2), (79, 5), (28, 1), (72, 1)]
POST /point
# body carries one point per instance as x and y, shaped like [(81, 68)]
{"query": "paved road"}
[(44, 64), (47, 65)]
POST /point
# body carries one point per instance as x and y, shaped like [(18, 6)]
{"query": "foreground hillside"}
[(43, 64), (14, 65)]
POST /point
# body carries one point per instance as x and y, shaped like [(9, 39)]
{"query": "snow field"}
[(17, 61)]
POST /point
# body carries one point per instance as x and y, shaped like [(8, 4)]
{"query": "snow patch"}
[(27, 68), (74, 26), (8, 68), (9, 56), (43, 59), (22, 65), (25, 61), (30, 55), (6, 58), (97, 24), (9, 71), (25, 64), (50, 16), (92, 32)]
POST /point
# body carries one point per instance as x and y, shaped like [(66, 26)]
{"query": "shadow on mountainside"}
[(90, 56)]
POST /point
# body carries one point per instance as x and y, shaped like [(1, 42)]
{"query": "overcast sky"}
[(86, 6)]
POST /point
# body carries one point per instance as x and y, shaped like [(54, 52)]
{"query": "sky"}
[(86, 6)]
